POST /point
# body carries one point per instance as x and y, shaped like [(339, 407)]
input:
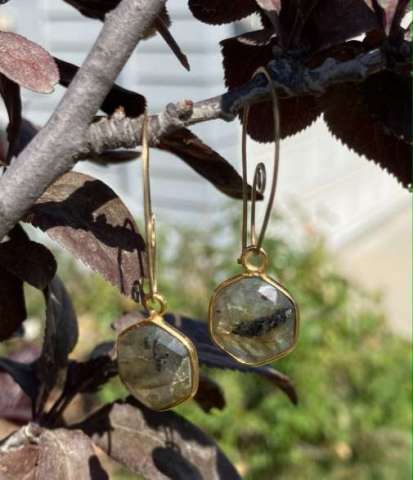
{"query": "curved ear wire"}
[(150, 229), (153, 301), (260, 175)]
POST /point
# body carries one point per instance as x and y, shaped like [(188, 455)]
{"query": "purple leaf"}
[(20, 463), (271, 8), (132, 103), (61, 333), (60, 338), (91, 222), (221, 11), (389, 12), (156, 445), (27, 132), (348, 118), (204, 160), (12, 304), (68, 455), (242, 56), (10, 93), (110, 157), (26, 63), (209, 394), (89, 376), (29, 261), (23, 374), (270, 5), (387, 97), (18, 385), (334, 21), (52, 454)]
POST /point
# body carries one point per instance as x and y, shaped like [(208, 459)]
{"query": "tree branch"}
[(290, 79), (53, 150)]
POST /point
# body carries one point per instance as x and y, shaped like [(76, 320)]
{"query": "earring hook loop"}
[(260, 176)]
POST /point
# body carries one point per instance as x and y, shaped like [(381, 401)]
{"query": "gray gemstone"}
[(253, 320), (155, 366)]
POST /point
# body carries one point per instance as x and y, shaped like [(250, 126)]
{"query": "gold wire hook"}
[(260, 176), (150, 230), (153, 298)]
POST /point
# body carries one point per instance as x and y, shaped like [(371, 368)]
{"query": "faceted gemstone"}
[(155, 366), (253, 320)]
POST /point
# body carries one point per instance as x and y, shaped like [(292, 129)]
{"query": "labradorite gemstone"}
[(253, 320), (155, 366)]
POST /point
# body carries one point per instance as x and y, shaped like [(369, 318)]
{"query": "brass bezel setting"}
[(270, 281), (158, 321)]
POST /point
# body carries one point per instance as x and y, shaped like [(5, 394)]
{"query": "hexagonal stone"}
[(253, 319), (156, 365)]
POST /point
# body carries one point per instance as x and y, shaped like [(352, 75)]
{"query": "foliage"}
[(313, 33), (92, 223)]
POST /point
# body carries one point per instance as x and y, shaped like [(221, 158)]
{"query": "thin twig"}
[(290, 79)]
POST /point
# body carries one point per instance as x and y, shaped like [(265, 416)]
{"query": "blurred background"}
[(341, 242)]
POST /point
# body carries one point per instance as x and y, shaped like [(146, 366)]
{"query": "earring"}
[(156, 362), (251, 316)]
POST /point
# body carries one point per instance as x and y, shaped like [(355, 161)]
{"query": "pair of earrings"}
[(251, 316)]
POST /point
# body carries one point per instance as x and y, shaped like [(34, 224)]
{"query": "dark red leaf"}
[(270, 5), (403, 7), (60, 338), (12, 304), (318, 24), (20, 366), (18, 385), (19, 463), (29, 261), (68, 455), (221, 11), (388, 97), (156, 445), (214, 358), (347, 116), (86, 377), (204, 160), (334, 21), (209, 394), (52, 454), (61, 332), (390, 13), (110, 157), (89, 376), (93, 8), (132, 103), (26, 134), (243, 55), (89, 219), (10, 93), (26, 63)]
